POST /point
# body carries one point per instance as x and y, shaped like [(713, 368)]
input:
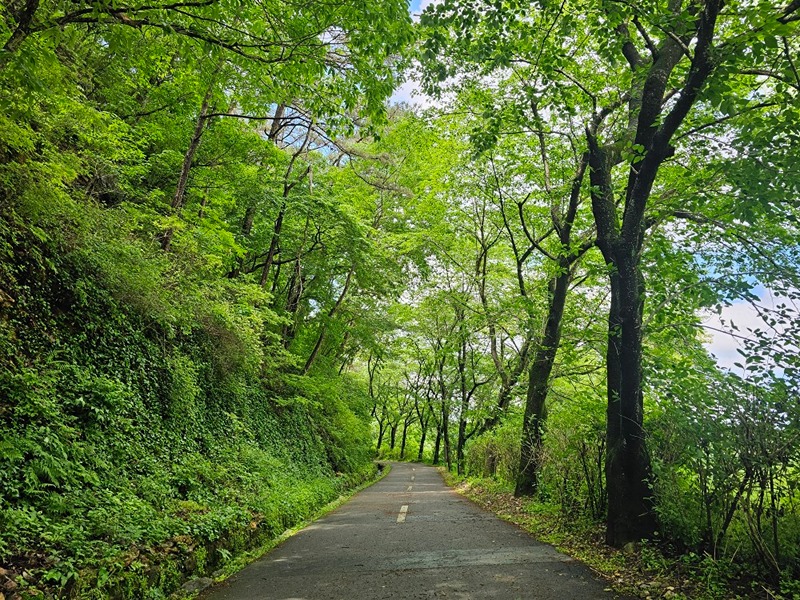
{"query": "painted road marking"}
[(402, 516)]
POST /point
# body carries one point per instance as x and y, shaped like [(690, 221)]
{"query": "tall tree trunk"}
[(630, 514), (277, 124), (462, 440), (538, 386), (541, 367), (381, 432), (273, 244), (421, 452), (444, 427), (423, 417), (448, 458), (465, 396), (437, 446), (403, 440), (630, 510), (183, 179), (628, 470), (334, 309), (24, 18)]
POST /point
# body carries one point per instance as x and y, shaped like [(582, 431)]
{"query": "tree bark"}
[(462, 439), (630, 507), (630, 511), (423, 417), (538, 386), (273, 244), (403, 440), (334, 309), (465, 396), (381, 432), (24, 19), (444, 428), (448, 460), (541, 367), (249, 219), (186, 168), (437, 446), (277, 124)]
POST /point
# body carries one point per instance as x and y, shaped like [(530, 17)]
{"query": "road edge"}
[(621, 590), (246, 558)]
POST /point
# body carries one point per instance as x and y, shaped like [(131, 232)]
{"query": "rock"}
[(630, 548), (197, 585)]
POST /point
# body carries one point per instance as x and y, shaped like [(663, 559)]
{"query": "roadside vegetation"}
[(624, 187), (187, 265)]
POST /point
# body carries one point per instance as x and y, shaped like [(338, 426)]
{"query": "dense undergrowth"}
[(568, 509), (137, 450), (153, 424), (644, 570)]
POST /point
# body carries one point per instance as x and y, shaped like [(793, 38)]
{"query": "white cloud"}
[(725, 340), (410, 92), (417, 6)]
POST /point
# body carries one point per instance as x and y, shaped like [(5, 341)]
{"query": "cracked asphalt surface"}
[(409, 536)]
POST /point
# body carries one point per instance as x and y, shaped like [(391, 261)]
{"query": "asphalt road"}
[(410, 536)]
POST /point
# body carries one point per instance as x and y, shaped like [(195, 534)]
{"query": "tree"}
[(674, 57)]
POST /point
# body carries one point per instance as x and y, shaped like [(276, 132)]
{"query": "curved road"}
[(410, 536)]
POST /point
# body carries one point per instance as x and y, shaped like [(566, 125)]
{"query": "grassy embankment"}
[(151, 430)]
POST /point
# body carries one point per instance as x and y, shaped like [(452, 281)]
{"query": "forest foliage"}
[(192, 251), (628, 175), (230, 274)]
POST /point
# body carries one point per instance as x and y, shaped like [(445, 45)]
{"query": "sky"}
[(417, 6), (409, 92), (724, 346)]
